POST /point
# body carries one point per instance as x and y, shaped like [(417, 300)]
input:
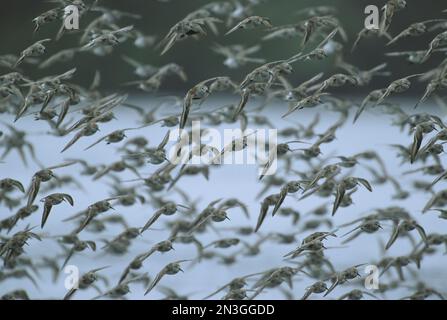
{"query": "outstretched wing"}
[(46, 212), (338, 197), (393, 237), (156, 280)]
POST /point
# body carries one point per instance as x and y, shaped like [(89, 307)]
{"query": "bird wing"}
[(156, 280), (151, 221), (393, 237), (338, 197), (46, 212)]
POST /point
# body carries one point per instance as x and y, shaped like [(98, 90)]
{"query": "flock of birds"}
[(74, 114)]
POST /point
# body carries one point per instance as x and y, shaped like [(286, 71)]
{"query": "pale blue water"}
[(373, 131)]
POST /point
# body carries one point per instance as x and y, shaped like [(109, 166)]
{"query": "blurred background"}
[(372, 132), (157, 17)]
